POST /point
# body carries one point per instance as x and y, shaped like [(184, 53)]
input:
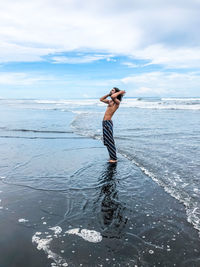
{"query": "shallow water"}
[(84, 211)]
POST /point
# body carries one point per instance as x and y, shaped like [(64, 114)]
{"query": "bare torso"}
[(112, 107)]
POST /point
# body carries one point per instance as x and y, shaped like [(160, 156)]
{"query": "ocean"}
[(159, 136)]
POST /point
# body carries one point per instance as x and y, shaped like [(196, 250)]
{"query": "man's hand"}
[(123, 92), (103, 99)]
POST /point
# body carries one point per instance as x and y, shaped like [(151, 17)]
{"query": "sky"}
[(82, 49)]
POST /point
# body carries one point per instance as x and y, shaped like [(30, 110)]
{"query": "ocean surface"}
[(161, 136)]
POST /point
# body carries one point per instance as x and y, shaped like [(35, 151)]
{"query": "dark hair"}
[(119, 96)]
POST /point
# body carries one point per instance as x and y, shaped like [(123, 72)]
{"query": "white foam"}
[(88, 235), (38, 233), (151, 251), (76, 102), (22, 220), (44, 244), (57, 229)]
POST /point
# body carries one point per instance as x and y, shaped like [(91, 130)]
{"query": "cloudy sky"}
[(78, 49)]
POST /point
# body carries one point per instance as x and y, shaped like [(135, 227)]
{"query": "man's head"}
[(117, 90), (112, 91)]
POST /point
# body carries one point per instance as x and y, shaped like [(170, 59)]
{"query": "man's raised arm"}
[(103, 99), (122, 92)]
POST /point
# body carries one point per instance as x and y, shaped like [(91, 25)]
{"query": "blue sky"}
[(79, 49)]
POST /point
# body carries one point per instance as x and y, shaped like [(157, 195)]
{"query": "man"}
[(113, 104)]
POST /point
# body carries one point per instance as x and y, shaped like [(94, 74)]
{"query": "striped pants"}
[(108, 139)]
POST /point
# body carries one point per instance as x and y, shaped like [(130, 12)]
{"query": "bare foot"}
[(112, 161)]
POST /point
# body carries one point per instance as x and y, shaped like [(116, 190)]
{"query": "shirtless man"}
[(113, 104)]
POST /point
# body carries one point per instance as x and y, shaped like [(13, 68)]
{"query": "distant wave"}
[(163, 103), (39, 131), (181, 98), (149, 99), (170, 103), (77, 102), (33, 130), (42, 137)]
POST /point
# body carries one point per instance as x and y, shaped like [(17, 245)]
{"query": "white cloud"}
[(149, 91), (80, 59), (11, 52), (20, 78), (155, 83), (164, 32), (130, 64), (170, 57), (30, 79), (111, 59), (159, 83), (34, 29)]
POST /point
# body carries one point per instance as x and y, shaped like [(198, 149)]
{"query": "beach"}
[(63, 204)]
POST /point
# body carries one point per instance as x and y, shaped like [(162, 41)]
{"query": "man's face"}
[(112, 91)]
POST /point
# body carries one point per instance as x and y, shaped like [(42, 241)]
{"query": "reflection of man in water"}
[(112, 210), (113, 104)]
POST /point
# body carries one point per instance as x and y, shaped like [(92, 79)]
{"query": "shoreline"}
[(137, 230)]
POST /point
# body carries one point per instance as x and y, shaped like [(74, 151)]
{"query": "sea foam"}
[(44, 244), (88, 235)]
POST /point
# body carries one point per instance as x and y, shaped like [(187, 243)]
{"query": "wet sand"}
[(138, 223)]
